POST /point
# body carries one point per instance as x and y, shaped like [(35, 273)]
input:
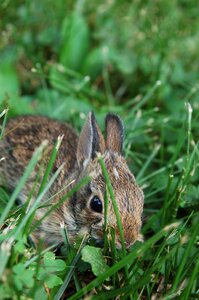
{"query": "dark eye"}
[(96, 204)]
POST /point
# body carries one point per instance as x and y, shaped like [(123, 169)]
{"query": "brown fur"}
[(21, 138)]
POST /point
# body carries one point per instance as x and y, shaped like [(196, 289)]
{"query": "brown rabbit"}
[(83, 212)]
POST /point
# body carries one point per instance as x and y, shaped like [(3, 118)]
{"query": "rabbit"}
[(83, 213)]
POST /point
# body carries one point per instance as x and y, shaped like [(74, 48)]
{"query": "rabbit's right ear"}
[(91, 141), (114, 133)]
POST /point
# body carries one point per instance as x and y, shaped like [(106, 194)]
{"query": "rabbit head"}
[(88, 202)]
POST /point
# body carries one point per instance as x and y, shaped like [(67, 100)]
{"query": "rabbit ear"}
[(114, 133), (91, 141)]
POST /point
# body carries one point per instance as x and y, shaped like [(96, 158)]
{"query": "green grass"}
[(140, 60)]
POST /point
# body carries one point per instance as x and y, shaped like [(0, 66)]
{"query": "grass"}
[(140, 60)]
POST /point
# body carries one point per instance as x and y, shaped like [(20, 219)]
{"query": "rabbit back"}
[(23, 135)]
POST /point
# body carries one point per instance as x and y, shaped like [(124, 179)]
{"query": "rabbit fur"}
[(80, 156)]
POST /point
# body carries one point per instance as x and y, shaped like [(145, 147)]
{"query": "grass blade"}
[(3, 114), (34, 160), (50, 163)]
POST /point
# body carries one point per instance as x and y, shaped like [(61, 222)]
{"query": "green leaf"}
[(49, 257), (53, 280), (94, 63), (9, 84), (28, 278), (42, 274), (75, 37), (19, 268), (41, 293), (52, 264), (94, 257), (6, 292), (19, 105), (23, 276), (18, 283), (19, 247)]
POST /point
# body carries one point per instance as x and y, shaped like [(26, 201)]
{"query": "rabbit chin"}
[(95, 234)]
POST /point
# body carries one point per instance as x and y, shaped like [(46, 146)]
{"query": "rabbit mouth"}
[(96, 235), (98, 242)]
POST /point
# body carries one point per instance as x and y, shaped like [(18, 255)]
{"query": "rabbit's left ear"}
[(91, 141), (114, 133)]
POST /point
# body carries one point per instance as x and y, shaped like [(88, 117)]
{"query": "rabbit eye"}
[(96, 204)]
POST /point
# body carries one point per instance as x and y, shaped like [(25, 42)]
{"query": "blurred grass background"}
[(108, 53), (136, 58)]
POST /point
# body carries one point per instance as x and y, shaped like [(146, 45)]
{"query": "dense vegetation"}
[(138, 59)]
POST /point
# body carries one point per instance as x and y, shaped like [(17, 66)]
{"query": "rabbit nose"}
[(130, 239), (118, 244), (127, 244)]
